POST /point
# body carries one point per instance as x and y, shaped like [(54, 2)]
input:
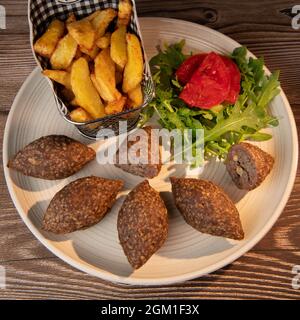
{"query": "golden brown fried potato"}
[(102, 20), (83, 33), (70, 67), (71, 18), (104, 42), (105, 72), (62, 77), (118, 48), (95, 82), (80, 115), (136, 97), (84, 90), (74, 102), (46, 44), (116, 106), (133, 72), (91, 53), (92, 15), (64, 53), (124, 14)]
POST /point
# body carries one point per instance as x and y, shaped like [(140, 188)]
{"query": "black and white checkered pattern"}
[(42, 12)]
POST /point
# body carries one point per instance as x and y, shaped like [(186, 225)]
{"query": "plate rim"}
[(166, 280)]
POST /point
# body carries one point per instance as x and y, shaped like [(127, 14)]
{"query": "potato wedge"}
[(64, 53), (92, 15), (95, 83), (83, 33), (124, 13), (80, 115), (101, 21), (116, 106), (74, 102), (104, 42), (47, 43), (105, 73), (71, 18), (91, 53), (84, 90), (133, 72), (136, 97), (60, 76), (118, 47)]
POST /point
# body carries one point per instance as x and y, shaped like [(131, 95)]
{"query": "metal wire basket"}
[(41, 13)]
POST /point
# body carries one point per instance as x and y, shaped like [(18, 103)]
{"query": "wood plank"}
[(15, 8), (265, 271), (255, 276)]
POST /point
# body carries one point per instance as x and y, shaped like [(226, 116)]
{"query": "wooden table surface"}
[(264, 272)]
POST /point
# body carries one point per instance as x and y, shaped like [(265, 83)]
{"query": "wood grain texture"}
[(264, 272)]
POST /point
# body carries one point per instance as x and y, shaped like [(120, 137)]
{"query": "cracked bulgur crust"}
[(207, 208), (142, 224), (248, 165), (81, 204), (52, 157)]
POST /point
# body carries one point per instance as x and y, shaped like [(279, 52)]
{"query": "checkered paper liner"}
[(41, 13)]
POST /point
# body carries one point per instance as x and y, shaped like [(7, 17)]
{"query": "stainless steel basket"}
[(41, 13)]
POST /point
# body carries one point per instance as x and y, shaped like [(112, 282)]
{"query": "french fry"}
[(91, 53), (64, 53), (105, 73), (83, 33), (46, 44), (118, 47), (84, 90), (71, 19), (92, 15), (90, 62), (102, 20), (62, 77), (124, 13), (95, 83), (104, 42), (136, 97), (133, 72), (116, 106), (74, 102), (80, 115)]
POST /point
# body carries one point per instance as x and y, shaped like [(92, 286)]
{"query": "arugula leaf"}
[(224, 125)]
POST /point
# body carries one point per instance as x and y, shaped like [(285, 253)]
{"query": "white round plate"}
[(187, 253)]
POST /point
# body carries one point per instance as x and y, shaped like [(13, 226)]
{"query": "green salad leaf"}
[(223, 125)]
